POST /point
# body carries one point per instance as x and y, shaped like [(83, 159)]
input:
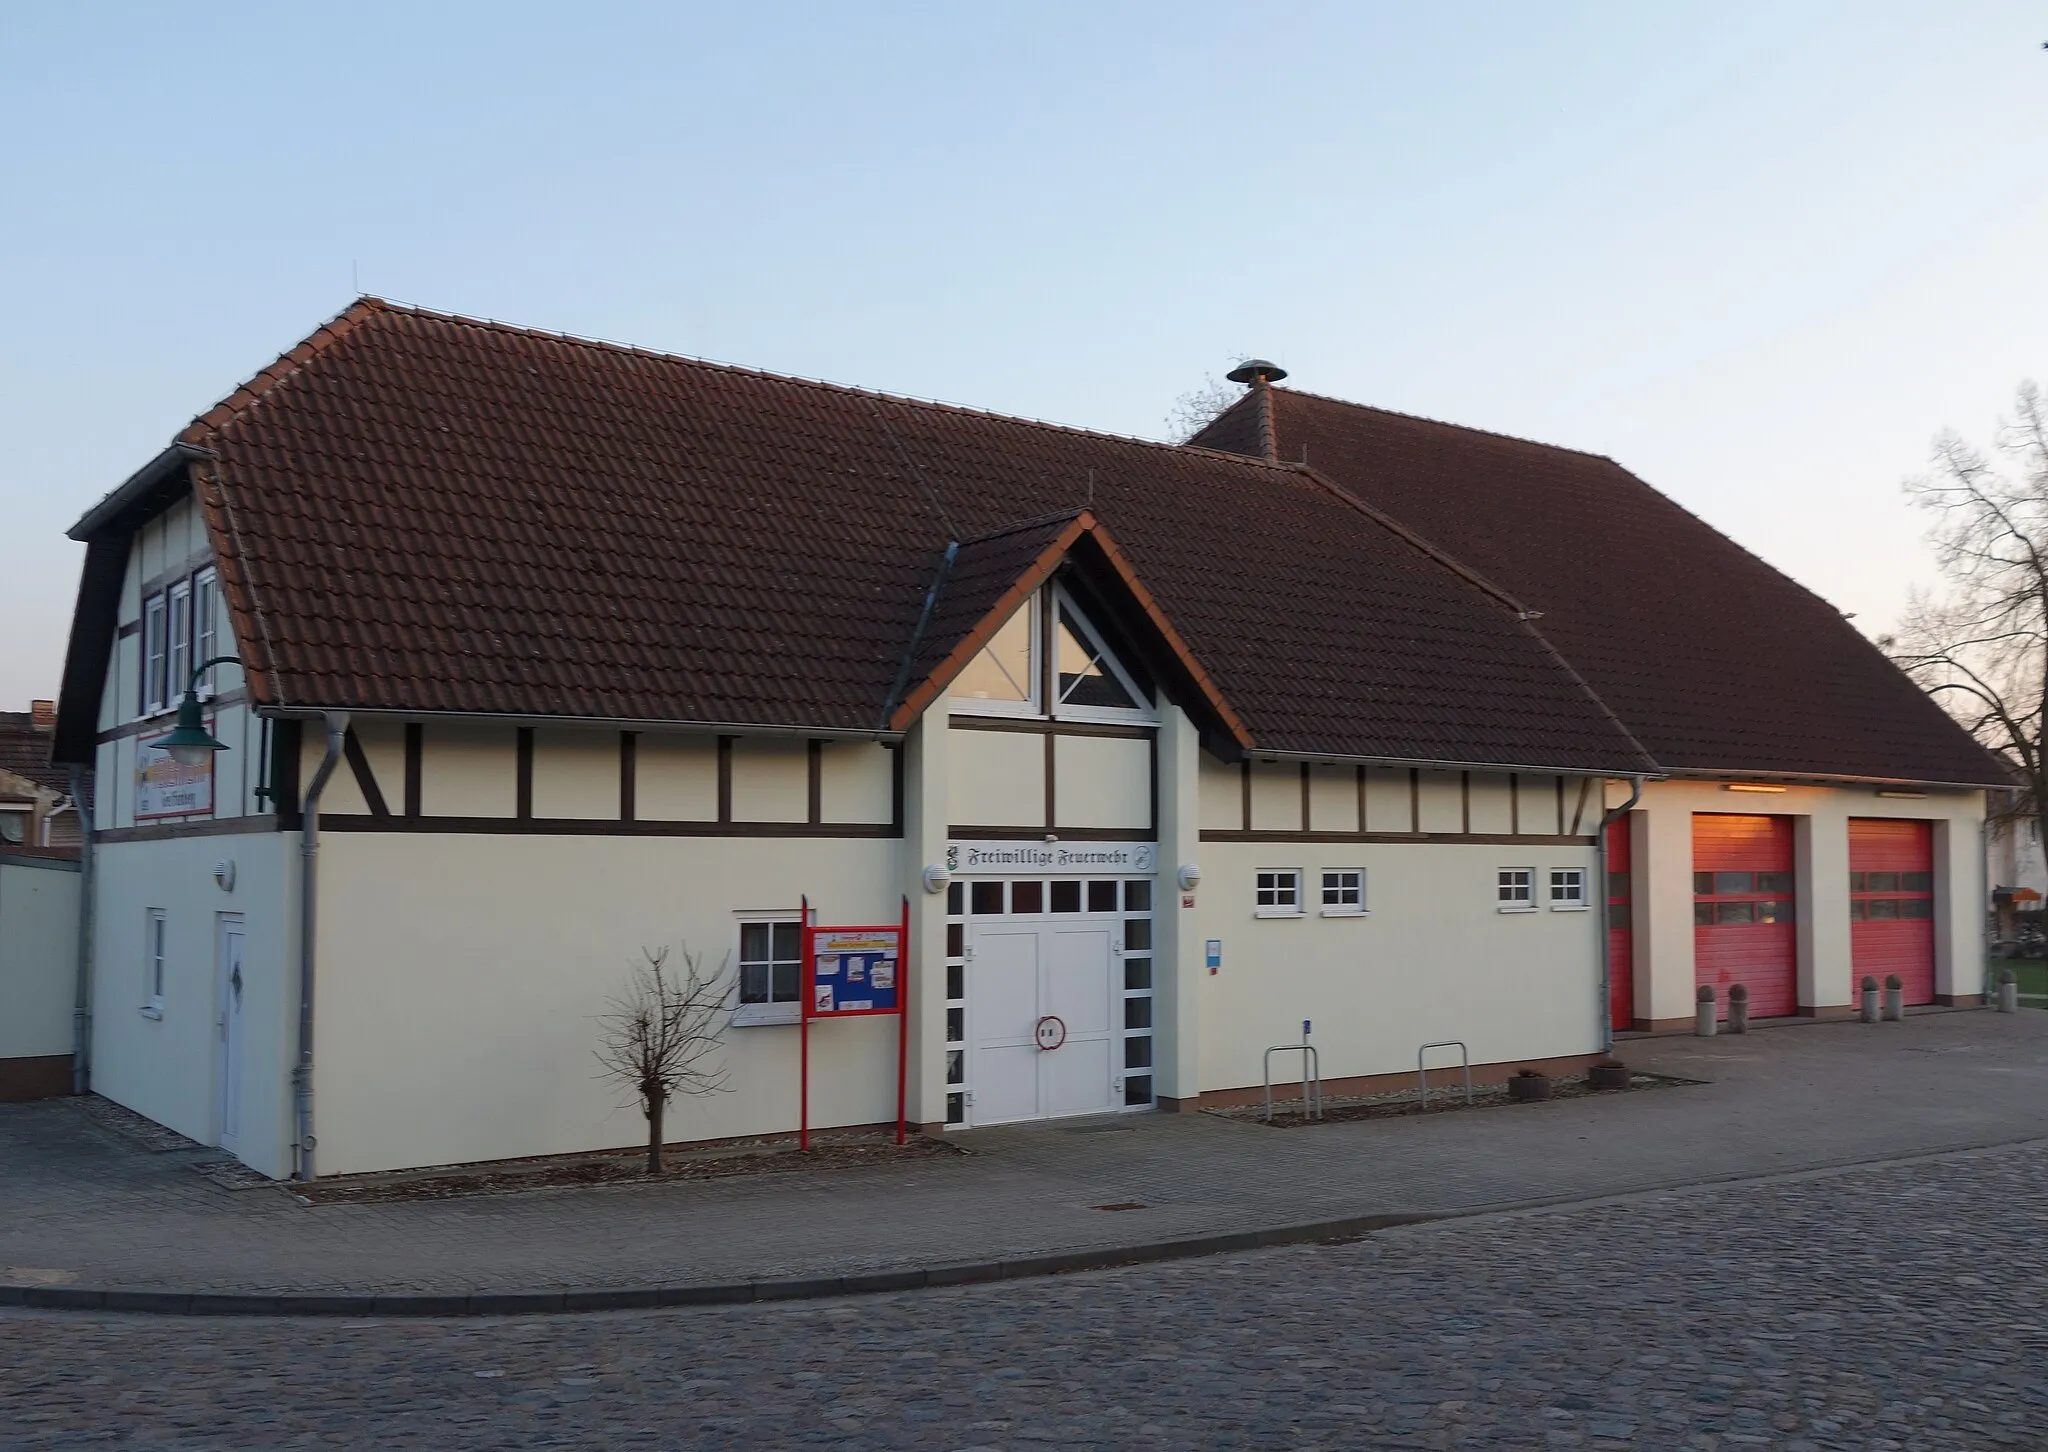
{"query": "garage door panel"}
[(1891, 903), (1743, 907)]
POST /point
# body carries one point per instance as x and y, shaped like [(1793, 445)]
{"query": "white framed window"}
[(1277, 893), (1049, 660), (155, 644), (1343, 892), (181, 642), (206, 627), (1568, 889), (154, 935), (1088, 683), (771, 968), (1516, 889), (14, 825)]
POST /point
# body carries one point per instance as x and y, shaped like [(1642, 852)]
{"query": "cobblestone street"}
[(1903, 1306)]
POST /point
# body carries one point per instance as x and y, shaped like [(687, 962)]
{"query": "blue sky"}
[(1758, 253)]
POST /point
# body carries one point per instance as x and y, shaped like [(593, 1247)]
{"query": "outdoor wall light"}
[(224, 874), (1189, 876), (190, 743), (936, 878)]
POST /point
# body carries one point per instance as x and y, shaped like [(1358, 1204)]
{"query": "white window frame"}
[(1106, 715), (1032, 709), (758, 1015), (156, 649), (1359, 909), (156, 935), (206, 642), (1560, 904), (178, 657), (1503, 887), (1271, 910)]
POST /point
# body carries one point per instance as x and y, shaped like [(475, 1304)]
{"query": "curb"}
[(727, 1293)]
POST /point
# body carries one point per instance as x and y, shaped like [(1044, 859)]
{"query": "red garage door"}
[(1621, 984), (1742, 911), (1891, 903)]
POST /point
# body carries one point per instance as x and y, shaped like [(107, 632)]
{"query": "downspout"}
[(1607, 819), (81, 1003), (309, 859)]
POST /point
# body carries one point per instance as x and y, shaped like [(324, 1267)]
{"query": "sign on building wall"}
[(167, 788), (853, 971), (1025, 859)]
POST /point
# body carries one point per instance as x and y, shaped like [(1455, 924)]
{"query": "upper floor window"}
[(206, 626), (181, 642), (1048, 659), (155, 645)]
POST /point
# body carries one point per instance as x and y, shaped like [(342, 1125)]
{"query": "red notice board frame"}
[(812, 932)]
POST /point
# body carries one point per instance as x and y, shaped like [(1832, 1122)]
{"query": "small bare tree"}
[(661, 1035), (1981, 645), (1199, 407)]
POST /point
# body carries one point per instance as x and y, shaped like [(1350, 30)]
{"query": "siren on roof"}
[(1256, 370)]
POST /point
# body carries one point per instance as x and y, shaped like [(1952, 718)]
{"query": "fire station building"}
[(543, 650)]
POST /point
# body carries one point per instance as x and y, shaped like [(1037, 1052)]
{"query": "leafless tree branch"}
[(661, 1036)]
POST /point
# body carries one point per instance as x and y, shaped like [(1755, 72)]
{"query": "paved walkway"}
[(82, 1206)]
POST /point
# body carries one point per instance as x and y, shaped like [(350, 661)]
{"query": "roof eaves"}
[(138, 491)]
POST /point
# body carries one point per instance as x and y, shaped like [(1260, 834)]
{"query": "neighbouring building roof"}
[(1714, 660), (25, 738), (414, 512)]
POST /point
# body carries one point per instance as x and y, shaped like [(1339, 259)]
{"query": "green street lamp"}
[(190, 743)]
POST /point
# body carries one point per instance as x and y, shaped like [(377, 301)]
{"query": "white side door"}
[(229, 1024), (1075, 1077), (1002, 1009)]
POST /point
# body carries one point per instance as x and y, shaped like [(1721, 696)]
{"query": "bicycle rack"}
[(1311, 1075), (1422, 1074)]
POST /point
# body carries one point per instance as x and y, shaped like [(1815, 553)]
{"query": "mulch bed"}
[(1290, 1113), (623, 1167)]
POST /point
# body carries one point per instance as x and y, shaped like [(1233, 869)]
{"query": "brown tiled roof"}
[(421, 513), (1715, 661)]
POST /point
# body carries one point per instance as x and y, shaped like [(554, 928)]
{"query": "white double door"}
[(1042, 1000)]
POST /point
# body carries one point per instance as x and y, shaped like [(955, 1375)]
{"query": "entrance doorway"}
[(1054, 999), (230, 932)]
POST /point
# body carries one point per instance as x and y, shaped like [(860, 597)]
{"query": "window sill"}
[(150, 1010), (763, 1015), (1279, 913), (1570, 907), (1348, 912), (1516, 907)]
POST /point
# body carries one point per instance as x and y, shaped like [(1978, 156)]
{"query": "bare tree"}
[(661, 1035), (1980, 646), (1199, 407)]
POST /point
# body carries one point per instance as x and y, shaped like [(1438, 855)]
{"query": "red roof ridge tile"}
[(361, 310), (1444, 423)]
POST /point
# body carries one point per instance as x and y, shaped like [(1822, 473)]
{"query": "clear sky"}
[(1759, 253)]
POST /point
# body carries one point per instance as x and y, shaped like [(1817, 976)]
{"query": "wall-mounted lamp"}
[(1189, 876), (190, 743), (936, 878), (224, 874), (1750, 786)]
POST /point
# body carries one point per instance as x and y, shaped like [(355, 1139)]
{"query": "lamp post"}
[(190, 743)]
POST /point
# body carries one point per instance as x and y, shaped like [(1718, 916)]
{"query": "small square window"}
[(1278, 894), (1916, 882), (956, 898), (1703, 884), (1138, 896), (988, 897), (1727, 882), (1515, 889), (1343, 892), (1101, 897), (1066, 897), (1567, 889), (1137, 974), (1138, 935), (956, 941), (1027, 897)]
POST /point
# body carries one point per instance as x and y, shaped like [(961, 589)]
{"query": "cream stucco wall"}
[(462, 978), (1661, 867), (168, 1068), (1433, 959), (1102, 781), (996, 778), (38, 955)]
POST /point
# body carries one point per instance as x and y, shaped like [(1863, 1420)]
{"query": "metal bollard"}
[(1703, 1020), (1894, 998), (2008, 991), (1869, 999), (1738, 1008)]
